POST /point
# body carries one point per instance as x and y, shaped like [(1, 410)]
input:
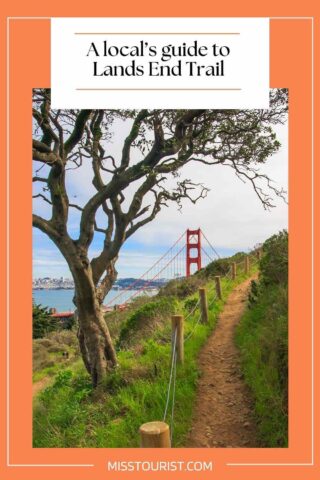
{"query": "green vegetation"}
[(69, 413), (262, 337), (182, 288), (43, 323), (146, 319), (55, 345), (166, 142), (53, 353)]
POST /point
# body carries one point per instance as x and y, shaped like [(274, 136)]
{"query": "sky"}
[(231, 215)]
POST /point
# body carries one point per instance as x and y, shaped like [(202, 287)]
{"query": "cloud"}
[(231, 215), (48, 263)]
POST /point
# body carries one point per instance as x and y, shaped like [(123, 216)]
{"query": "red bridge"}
[(191, 249)]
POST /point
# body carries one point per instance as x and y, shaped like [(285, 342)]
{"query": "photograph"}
[(160, 277)]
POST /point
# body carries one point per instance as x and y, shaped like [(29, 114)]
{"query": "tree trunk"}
[(95, 343)]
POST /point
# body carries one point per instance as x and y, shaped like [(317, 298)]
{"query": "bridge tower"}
[(193, 243)]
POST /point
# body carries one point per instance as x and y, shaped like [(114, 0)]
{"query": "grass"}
[(69, 413), (262, 337), (48, 352)]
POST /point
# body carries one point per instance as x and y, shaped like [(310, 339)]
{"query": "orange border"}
[(29, 67)]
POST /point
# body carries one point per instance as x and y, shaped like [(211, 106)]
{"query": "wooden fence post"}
[(155, 435), (234, 270), (203, 305), (246, 265), (177, 323), (218, 287)]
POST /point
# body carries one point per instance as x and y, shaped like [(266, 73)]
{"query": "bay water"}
[(62, 299)]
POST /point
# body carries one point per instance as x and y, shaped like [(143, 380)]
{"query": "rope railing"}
[(173, 359), (166, 434), (193, 330), (213, 300), (226, 276), (172, 386), (173, 397), (170, 260), (193, 310)]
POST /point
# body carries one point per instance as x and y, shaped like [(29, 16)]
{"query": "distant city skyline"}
[(51, 283)]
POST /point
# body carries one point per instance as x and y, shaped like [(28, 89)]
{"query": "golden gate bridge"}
[(189, 253), (192, 248)]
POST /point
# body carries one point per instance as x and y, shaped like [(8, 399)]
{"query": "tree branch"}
[(45, 226), (78, 130)]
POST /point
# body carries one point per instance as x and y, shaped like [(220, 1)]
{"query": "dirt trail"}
[(40, 385), (223, 414)]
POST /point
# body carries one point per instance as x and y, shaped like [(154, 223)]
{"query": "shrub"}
[(218, 267), (253, 293), (262, 337), (64, 338), (40, 357), (47, 352), (274, 262), (190, 304), (145, 320), (45, 342), (182, 288), (54, 348), (42, 322)]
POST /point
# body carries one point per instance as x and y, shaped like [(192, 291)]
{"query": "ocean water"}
[(62, 299)]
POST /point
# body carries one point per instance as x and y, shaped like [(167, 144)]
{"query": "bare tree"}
[(167, 140)]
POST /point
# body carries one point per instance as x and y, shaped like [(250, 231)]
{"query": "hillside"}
[(262, 337), (69, 413)]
